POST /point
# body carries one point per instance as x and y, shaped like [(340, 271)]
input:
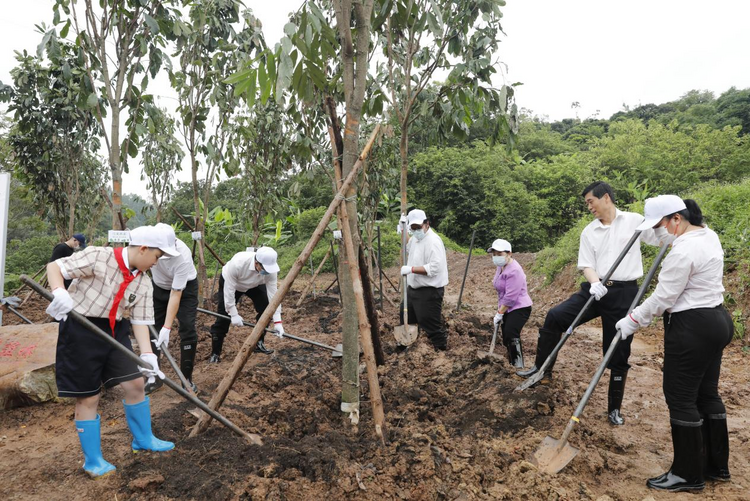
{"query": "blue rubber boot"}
[(89, 433), (139, 422)]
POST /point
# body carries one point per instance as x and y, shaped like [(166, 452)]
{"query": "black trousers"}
[(513, 322), (611, 308), (259, 297), (426, 310), (694, 341), (185, 313)]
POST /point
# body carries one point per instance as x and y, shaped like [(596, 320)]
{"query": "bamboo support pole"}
[(191, 228), (249, 345)]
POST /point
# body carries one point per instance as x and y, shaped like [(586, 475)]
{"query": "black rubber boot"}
[(261, 347), (686, 473), (716, 448), (187, 359), (515, 353), (616, 393)]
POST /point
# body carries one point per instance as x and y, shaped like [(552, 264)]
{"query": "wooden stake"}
[(249, 345), (312, 280), (191, 228)]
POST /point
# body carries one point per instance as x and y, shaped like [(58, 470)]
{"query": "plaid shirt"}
[(98, 280)]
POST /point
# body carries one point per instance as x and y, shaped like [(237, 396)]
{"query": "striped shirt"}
[(98, 278)]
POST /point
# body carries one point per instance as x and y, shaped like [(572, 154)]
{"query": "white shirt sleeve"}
[(230, 286), (271, 288), (181, 274), (586, 256), (673, 278)]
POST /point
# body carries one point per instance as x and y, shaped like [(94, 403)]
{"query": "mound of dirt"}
[(457, 429)]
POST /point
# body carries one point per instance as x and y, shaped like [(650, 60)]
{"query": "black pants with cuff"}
[(611, 308), (185, 316), (694, 341), (258, 295), (513, 322), (426, 310)]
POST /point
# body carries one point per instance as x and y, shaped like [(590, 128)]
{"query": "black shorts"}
[(85, 362)]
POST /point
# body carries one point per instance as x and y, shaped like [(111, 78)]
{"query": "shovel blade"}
[(552, 456), (530, 382), (405, 334)]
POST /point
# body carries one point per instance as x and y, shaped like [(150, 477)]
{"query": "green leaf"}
[(290, 29), (151, 23), (92, 100), (64, 30)]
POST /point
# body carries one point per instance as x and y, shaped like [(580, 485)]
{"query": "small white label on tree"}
[(196, 235), (118, 236)]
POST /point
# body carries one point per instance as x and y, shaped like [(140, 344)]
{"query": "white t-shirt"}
[(691, 277), (430, 253), (175, 272), (240, 275), (601, 245)]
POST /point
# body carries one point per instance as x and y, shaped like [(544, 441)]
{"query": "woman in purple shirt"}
[(513, 301)]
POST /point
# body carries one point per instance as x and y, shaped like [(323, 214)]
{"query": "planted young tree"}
[(120, 40), (54, 139), (162, 157), (422, 38)]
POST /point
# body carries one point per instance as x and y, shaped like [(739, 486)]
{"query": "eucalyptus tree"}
[(210, 49), (162, 156), (451, 39), (54, 139), (121, 40)]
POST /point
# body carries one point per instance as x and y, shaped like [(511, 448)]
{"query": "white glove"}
[(60, 305), (627, 326), (598, 290), (337, 235), (401, 222), (498, 320), (163, 340), (406, 270), (279, 330), (151, 374), (237, 321)]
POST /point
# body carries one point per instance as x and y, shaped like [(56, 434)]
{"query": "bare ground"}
[(457, 429)]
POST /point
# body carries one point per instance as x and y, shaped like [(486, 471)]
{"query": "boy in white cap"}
[(175, 284), (113, 292), (253, 274), (426, 273)]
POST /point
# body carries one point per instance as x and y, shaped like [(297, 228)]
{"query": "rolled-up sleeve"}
[(586, 256), (434, 259)]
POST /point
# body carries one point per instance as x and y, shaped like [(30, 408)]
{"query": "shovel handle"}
[(171, 360), (494, 339)]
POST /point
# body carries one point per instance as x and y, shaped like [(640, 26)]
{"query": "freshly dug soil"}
[(456, 428)]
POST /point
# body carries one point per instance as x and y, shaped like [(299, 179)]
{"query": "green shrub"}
[(308, 221), (27, 256), (551, 260)]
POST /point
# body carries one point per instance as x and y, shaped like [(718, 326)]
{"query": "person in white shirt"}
[(697, 328), (175, 282), (253, 274), (426, 273), (601, 243)]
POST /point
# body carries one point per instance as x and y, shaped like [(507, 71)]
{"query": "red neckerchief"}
[(127, 278)]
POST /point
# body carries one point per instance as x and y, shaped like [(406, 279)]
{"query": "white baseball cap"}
[(160, 236), (500, 245), (267, 257), (416, 216), (658, 207)]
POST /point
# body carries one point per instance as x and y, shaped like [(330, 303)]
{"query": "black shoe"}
[(528, 372), (261, 348), (152, 387), (193, 387), (616, 418), (674, 483), (215, 359)]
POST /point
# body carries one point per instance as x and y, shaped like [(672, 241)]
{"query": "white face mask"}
[(499, 260), (419, 234)]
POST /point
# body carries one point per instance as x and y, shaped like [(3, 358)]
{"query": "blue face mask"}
[(419, 234), (499, 260)]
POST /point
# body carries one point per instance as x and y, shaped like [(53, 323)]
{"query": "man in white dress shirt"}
[(601, 243), (253, 274), (175, 282), (426, 273)]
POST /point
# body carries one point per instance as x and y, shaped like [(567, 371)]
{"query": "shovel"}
[(540, 374), (488, 354), (405, 334), (554, 455)]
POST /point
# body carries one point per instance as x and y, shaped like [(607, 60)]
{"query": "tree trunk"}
[(115, 168), (372, 314)]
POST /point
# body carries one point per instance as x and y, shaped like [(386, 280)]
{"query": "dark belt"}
[(620, 283)]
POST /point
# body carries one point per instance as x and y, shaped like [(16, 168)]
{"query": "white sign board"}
[(117, 236), (196, 235), (4, 203)]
